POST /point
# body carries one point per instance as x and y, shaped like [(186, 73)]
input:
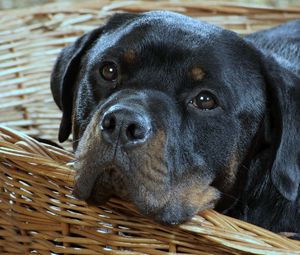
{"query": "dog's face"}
[(164, 110)]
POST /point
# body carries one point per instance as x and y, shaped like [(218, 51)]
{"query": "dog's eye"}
[(109, 71), (205, 101)]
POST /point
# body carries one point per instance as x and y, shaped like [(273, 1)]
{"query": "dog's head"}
[(164, 110)]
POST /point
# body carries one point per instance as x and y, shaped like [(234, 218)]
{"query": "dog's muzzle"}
[(130, 149)]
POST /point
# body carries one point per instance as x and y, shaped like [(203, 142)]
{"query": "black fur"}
[(247, 149)]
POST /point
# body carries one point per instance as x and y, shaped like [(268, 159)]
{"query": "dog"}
[(178, 116)]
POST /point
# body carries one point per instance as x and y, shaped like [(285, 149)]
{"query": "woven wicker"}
[(37, 213)]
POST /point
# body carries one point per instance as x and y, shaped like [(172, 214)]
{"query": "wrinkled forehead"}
[(169, 31)]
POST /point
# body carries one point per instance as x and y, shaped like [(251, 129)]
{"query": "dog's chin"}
[(180, 209), (172, 215)]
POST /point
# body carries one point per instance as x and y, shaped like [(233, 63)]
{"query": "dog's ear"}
[(283, 97), (63, 78)]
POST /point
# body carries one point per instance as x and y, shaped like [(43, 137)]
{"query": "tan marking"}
[(197, 73), (153, 174), (200, 198), (230, 175), (129, 56), (90, 137)]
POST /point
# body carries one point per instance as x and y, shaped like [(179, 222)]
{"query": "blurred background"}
[(10, 4)]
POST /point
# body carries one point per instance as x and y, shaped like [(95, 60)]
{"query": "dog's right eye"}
[(109, 71), (204, 101)]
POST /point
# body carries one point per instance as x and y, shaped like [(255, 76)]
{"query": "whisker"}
[(229, 196), (76, 140)]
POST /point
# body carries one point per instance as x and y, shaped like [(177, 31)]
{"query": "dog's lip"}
[(95, 190), (86, 193), (85, 181), (83, 187)]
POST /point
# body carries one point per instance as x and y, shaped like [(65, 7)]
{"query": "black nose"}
[(126, 126)]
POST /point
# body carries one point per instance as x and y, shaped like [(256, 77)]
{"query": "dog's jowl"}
[(177, 116)]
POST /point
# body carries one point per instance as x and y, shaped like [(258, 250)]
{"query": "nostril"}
[(109, 123), (124, 126), (135, 132)]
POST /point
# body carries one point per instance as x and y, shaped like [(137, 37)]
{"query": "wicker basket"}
[(38, 214)]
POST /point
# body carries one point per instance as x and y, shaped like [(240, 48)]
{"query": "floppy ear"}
[(63, 78), (283, 96)]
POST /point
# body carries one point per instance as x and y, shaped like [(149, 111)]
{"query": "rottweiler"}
[(177, 115)]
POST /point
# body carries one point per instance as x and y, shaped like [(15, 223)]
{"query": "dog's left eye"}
[(204, 101), (109, 71)]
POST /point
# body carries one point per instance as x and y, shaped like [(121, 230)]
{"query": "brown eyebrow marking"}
[(129, 56), (197, 73)]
